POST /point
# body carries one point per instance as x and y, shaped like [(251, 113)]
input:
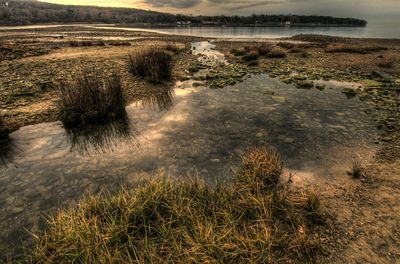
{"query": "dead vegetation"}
[(3, 129), (357, 170), (350, 48), (251, 53), (90, 99), (154, 65), (86, 43)]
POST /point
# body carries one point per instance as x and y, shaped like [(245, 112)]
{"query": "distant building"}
[(204, 22), (288, 23), (183, 23)]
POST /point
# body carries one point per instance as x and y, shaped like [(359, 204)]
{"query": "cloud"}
[(173, 3)]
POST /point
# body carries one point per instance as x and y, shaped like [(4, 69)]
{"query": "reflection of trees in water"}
[(160, 97), (104, 137)]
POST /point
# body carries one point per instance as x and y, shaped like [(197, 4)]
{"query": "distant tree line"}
[(33, 12)]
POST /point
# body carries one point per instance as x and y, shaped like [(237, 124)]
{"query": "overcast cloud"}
[(353, 8), (367, 9)]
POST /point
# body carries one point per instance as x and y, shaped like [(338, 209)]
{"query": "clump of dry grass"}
[(264, 49), (153, 65), (286, 45), (6, 145), (261, 167), (86, 43), (90, 99), (173, 48), (357, 170), (305, 54), (385, 63), (189, 222), (276, 54), (250, 56), (120, 43), (349, 48), (238, 52), (251, 53), (3, 129)]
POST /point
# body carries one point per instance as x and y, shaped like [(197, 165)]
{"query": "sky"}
[(366, 9)]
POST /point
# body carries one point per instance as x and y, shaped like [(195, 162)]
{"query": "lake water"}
[(373, 30)]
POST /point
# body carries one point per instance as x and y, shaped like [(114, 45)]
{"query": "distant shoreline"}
[(156, 25)]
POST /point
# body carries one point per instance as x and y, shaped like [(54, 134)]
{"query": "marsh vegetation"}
[(90, 99), (154, 65), (256, 218), (251, 53)]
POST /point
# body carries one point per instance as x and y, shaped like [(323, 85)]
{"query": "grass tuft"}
[(120, 43), (173, 48), (357, 170), (238, 52), (188, 222), (90, 99), (276, 54), (286, 45), (264, 49), (3, 128), (250, 56), (154, 65), (385, 63), (6, 144), (261, 167), (86, 43)]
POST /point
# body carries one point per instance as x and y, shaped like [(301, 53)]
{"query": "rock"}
[(17, 210), (289, 140), (386, 139), (279, 99), (269, 92)]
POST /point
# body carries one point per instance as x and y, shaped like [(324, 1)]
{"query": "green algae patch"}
[(371, 83)]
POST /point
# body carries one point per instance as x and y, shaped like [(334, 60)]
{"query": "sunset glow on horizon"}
[(365, 9)]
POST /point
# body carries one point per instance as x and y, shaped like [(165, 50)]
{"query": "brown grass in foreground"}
[(90, 99), (154, 65), (189, 222)]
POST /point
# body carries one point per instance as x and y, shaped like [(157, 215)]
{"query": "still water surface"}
[(182, 132), (371, 31), (190, 132), (375, 29)]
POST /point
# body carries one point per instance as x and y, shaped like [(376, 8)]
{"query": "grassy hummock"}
[(154, 65), (90, 99), (256, 221)]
